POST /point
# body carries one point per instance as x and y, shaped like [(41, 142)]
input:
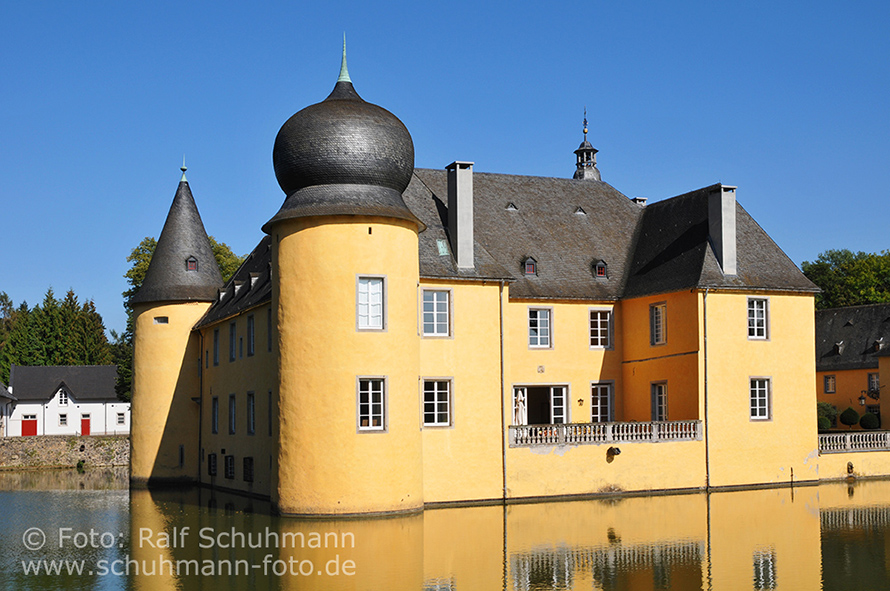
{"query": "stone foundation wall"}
[(57, 451)]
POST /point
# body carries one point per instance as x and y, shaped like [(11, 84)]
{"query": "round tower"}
[(345, 272), (180, 284)]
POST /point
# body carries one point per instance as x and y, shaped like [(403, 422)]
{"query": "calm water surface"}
[(831, 537)]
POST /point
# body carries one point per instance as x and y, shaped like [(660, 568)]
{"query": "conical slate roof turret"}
[(343, 156), (585, 159), (183, 267)]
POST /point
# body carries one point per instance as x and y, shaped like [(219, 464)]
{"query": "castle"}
[(403, 338)]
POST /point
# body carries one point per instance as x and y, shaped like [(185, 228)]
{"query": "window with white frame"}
[(231, 414), (63, 397), (251, 335), (436, 313), (251, 413), (232, 341), (214, 415), (540, 405), (758, 318), (63, 420), (601, 403), (370, 303), (659, 401), (658, 324), (760, 399), (601, 329), (874, 382), (830, 384), (539, 328), (437, 403), (371, 404), (216, 346), (121, 418), (765, 569)]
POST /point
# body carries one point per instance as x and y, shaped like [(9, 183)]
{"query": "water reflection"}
[(833, 536)]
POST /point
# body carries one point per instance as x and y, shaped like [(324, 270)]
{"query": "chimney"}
[(460, 212), (721, 226)]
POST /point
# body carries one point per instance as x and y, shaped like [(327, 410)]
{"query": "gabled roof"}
[(4, 392), (250, 286), (852, 337), (167, 278), (83, 382)]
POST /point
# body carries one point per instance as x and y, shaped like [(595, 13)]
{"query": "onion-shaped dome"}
[(343, 156)]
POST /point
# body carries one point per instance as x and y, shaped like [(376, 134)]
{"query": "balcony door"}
[(539, 405)]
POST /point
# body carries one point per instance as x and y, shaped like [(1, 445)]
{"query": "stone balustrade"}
[(854, 441), (603, 433)]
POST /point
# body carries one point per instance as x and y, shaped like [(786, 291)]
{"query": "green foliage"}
[(849, 417), (869, 421), (827, 410), (850, 279), (824, 423), (227, 260)]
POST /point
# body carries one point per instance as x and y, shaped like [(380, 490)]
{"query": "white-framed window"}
[(214, 415), (658, 324), (231, 414), (251, 335), (121, 418), (601, 406), (251, 413), (760, 399), (436, 312), (601, 329), (63, 420), (63, 397), (215, 346), (232, 341), (758, 318), (765, 569), (874, 382), (830, 384), (437, 403), (371, 303), (540, 334), (540, 405), (372, 404), (659, 401)]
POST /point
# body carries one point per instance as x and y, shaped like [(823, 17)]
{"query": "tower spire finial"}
[(585, 123), (344, 72), (183, 169)]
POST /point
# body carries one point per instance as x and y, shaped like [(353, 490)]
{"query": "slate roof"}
[(250, 286), (84, 382), (183, 236), (4, 392), (852, 337)]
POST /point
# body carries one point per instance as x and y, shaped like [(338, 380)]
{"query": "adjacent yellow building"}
[(404, 338)]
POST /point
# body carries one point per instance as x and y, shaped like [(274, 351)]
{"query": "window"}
[(214, 415), (657, 324), (437, 403), (211, 464), (874, 382), (530, 266), (63, 420), (121, 418), (758, 318), (251, 413), (760, 399), (540, 405), (436, 313), (601, 328), (216, 346), (63, 397), (248, 469), (659, 401), (162, 319), (371, 404), (270, 413), (600, 269), (231, 414), (269, 329), (251, 336), (230, 467), (601, 403), (181, 455), (539, 328), (191, 264), (765, 569), (232, 335), (370, 303), (830, 383)]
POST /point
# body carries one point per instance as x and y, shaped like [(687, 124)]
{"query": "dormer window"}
[(511, 207), (530, 266), (599, 269), (191, 264)]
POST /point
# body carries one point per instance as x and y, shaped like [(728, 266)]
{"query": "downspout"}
[(200, 400), (503, 420), (705, 425)]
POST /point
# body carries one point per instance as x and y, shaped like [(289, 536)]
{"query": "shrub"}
[(827, 410), (869, 421), (849, 417), (824, 424)]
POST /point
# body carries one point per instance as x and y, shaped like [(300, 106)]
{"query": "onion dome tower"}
[(180, 284), (345, 271), (585, 159)]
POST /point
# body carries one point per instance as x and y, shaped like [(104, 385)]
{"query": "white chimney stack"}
[(721, 227), (460, 212)]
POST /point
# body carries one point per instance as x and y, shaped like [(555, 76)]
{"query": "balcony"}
[(855, 441), (604, 433)]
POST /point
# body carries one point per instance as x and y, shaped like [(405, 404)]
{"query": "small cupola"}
[(585, 159)]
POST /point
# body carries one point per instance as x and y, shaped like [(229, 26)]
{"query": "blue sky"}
[(99, 102)]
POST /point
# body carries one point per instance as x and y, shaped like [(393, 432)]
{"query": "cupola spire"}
[(344, 71), (585, 158), (183, 168)]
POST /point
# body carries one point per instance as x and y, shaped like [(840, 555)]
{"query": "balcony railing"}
[(600, 433), (856, 441)]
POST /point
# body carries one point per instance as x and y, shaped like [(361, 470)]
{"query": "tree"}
[(827, 411), (849, 417), (850, 279)]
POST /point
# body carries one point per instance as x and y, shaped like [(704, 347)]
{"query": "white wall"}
[(103, 416)]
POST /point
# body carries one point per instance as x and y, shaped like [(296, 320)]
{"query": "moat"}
[(832, 537)]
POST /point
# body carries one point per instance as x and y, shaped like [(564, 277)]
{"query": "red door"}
[(29, 425), (85, 425)]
